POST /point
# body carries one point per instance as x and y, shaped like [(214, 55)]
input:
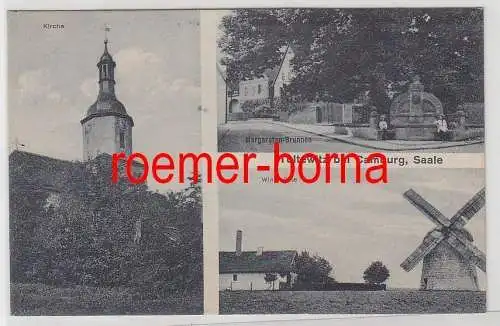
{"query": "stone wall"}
[(365, 133), (328, 113)]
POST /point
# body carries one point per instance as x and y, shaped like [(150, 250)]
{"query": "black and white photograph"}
[(413, 245), (82, 86), (351, 80)]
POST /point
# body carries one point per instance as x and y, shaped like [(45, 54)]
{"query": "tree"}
[(312, 270), (342, 52), (376, 273), (88, 238), (270, 278)]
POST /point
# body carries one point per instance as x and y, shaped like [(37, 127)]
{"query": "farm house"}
[(255, 270)]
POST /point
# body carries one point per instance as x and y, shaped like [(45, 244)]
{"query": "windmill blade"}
[(467, 250), (425, 207), (429, 243), (470, 209)]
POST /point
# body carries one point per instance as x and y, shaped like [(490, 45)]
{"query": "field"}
[(351, 302), (43, 300)]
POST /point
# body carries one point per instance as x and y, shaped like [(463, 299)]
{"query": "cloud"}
[(89, 87), (131, 64), (34, 88), (132, 59), (54, 96), (34, 81), (144, 75), (34, 85)]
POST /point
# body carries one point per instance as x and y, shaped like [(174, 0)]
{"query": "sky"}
[(52, 78), (351, 225)]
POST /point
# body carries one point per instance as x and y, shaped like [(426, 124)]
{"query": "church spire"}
[(106, 67), (106, 46)]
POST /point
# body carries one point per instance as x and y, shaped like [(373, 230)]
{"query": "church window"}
[(259, 89), (246, 91), (122, 140), (235, 277), (105, 70)]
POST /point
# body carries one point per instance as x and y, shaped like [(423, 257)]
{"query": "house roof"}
[(272, 73), (288, 48), (248, 262)]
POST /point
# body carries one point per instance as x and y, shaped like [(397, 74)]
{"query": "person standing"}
[(442, 127), (382, 126)]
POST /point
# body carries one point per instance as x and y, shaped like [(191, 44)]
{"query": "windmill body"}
[(444, 268), (448, 254)]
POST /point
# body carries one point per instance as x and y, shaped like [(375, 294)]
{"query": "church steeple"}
[(107, 128), (106, 67)]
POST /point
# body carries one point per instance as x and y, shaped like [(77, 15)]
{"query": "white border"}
[(492, 80), (492, 116)]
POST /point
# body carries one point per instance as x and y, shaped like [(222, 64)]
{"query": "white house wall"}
[(99, 136), (285, 74), (248, 281), (249, 89)]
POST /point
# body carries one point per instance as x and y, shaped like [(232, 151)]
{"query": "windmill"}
[(449, 257)]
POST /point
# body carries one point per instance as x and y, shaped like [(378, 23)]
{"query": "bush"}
[(90, 237)]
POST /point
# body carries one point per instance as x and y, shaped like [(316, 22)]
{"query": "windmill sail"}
[(467, 250), (469, 210), (425, 207), (429, 243)]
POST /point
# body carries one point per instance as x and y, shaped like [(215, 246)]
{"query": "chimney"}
[(260, 250), (239, 236)]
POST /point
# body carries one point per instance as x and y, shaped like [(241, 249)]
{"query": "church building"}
[(107, 129)]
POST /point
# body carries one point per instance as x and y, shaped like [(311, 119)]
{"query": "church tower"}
[(107, 128)]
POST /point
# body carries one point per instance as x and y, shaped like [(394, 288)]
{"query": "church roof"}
[(106, 57), (249, 262), (106, 103)]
